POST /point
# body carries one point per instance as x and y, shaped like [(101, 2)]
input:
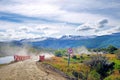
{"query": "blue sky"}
[(24, 19)]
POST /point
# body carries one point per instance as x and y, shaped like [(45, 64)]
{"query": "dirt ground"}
[(27, 70)]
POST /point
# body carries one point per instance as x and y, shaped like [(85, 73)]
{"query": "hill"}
[(71, 41)]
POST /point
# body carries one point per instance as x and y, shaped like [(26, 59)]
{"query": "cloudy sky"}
[(24, 19)]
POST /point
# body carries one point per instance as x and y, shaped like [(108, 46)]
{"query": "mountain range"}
[(70, 41)]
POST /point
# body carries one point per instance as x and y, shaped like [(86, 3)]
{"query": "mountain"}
[(72, 41)]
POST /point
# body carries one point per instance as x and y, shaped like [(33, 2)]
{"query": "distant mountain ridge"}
[(72, 41)]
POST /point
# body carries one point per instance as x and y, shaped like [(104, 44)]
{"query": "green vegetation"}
[(93, 75), (110, 49), (86, 66), (117, 52), (60, 53), (101, 65), (89, 66), (113, 77), (84, 70), (117, 63)]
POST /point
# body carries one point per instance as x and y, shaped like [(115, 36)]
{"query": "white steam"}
[(9, 50), (47, 55), (81, 50)]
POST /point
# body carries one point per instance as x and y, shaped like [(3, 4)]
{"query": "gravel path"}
[(27, 70)]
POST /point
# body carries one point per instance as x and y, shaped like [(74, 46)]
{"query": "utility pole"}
[(68, 60), (70, 51)]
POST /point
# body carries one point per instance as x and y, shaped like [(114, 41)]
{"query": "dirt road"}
[(27, 70)]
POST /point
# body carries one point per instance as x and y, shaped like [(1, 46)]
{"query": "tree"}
[(117, 52), (101, 65), (111, 49), (74, 57), (60, 53)]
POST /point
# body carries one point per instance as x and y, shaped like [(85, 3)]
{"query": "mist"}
[(9, 50), (81, 50)]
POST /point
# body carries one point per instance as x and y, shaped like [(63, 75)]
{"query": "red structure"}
[(41, 58), (20, 58)]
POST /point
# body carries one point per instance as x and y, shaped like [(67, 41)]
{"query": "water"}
[(7, 59)]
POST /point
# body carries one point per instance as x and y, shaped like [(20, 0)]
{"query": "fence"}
[(20, 58)]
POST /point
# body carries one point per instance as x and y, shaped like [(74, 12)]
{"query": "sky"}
[(25, 19)]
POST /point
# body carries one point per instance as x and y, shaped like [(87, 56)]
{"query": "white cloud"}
[(92, 4), (100, 28), (56, 9), (67, 11), (85, 27), (78, 17), (32, 8), (36, 30)]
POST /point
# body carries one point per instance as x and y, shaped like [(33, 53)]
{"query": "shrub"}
[(118, 54), (60, 53), (81, 57), (111, 49), (74, 57), (93, 75), (113, 77), (101, 65)]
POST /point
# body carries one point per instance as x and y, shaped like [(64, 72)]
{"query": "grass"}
[(117, 63), (112, 58), (62, 64), (76, 64)]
